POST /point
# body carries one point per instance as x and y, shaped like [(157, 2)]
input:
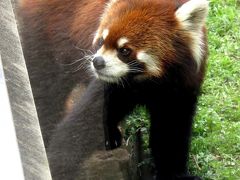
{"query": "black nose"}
[(98, 62)]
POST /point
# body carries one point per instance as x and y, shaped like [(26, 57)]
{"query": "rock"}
[(108, 165)]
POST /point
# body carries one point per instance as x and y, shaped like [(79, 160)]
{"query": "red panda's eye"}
[(124, 51)]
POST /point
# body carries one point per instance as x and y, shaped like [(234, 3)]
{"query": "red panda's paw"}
[(113, 139)]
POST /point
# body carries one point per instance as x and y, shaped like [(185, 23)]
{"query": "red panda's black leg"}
[(170, 132), (118, 103)]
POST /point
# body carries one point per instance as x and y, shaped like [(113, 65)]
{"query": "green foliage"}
[(139, 120), (215, 149)]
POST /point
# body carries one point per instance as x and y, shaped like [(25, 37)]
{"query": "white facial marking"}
[(192, 15), (105, 33), (150, 62), (114, 69), (112, 2), (96, 37), (122, 41)]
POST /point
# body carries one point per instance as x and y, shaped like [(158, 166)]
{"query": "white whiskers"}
[(80, 64), (133, 69)]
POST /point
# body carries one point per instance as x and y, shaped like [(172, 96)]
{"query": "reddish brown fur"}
[(151, 27), (54, 30), (81, 19), (62, 28), (78, 19), (54, 33)]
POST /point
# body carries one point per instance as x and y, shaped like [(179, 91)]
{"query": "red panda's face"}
[(137, 37)]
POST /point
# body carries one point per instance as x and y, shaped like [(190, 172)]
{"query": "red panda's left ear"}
[(192, 15)]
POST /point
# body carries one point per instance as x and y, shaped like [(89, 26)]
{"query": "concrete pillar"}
[(23, 112)]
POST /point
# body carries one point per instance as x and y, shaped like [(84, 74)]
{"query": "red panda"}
[(148, 52), (151, 36), (158, 53)]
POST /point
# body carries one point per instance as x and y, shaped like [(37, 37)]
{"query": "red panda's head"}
[(142, 38)]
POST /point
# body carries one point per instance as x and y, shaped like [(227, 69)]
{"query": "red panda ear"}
[(192, 14)]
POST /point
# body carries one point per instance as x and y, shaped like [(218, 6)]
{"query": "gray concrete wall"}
[(32, 151)]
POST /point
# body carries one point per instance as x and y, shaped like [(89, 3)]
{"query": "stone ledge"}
[(108, 165)]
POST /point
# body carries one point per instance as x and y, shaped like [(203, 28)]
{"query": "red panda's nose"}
[(99, 63)]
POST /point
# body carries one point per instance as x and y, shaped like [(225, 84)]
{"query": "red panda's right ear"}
[(192, 15)]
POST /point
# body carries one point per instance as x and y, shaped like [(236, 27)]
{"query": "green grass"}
[(215, 149), (215, 152)]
